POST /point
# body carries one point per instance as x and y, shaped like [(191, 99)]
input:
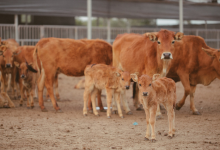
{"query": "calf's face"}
[(125, 80), (24, 69)]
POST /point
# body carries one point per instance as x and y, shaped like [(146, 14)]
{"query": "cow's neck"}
[(163, 66)]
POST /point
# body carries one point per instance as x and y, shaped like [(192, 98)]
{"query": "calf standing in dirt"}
[(29, 81), (154, 91), (100, 76)]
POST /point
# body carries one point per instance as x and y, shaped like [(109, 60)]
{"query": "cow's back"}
[(71, 56)]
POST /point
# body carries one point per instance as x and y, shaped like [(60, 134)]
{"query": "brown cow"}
[(146, 54), (7, 54), (29, 79), (70, 57), (100, 76), (154, 91)]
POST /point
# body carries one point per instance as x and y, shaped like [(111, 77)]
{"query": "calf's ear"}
[(179, 36), (134, 77), (117, 74), (156, 76), (152, 36), (4, 43), (210, 52), (16, 64), (29, 66)]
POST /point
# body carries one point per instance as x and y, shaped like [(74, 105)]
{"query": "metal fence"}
[(30, 35)]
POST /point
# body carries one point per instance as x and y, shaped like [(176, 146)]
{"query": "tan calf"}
[(154, 91), (29, 81), (100, 76)]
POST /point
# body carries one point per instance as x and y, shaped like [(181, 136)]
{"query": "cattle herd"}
[(153, 61)]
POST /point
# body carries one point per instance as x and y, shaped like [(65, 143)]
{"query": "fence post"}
[(41, 31), (76, 33), (16, 28)]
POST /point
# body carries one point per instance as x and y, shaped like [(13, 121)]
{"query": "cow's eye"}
[(122, 78), (158, 42), (139, 84), (149, 84), (173, 42)]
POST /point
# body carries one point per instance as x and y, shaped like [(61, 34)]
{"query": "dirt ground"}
[(22, 128)]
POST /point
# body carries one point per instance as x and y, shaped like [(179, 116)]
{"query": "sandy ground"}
[(22, 128)]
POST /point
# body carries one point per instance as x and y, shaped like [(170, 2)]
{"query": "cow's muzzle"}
[(127, 87), (166, 55), (8, 65), (145, 93), (22, 76)]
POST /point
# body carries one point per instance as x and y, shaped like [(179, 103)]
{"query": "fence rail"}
[(31, 34)]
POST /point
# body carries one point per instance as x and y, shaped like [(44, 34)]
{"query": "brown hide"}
[(153, 92), (100, 76), (70, 57)]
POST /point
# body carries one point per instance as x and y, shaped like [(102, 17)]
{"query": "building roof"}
[(113, 8)]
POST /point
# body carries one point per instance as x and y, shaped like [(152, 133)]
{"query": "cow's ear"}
[(3, 47), (134, 77), (179, 36), (29, 66), (152, 36), (16, 64), (210, 52), (4, 43), (16, 53), (155, 77)]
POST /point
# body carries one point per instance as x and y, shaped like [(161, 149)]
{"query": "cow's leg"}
[(56, 87), (117, 98), (147, 136), (136, 101), (158, 114), (90, 104), (40, 85), (13, 84), (8, 82), (109, 101), (86, 95), (3, 82), (21, 91), (7, 98), (125, 103), (185, 81), (114, 107), (93, 98), (174, 123), (153, 111), (28, 104), (170, 114), (32, 97), (49, 85), (192, 105), (100, 101)]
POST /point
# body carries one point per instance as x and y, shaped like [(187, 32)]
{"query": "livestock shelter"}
[(141, 9)]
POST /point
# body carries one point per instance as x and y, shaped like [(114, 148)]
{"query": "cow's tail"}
[(17, 75), (35, 59)]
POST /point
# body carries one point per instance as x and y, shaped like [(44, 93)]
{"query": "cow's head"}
[(124, 80), (165, 42), (24, 68), (213, 53), (8, 53), (145, 84)]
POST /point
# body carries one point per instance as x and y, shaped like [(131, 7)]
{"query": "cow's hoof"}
[(59, 111), (153, 140), (169, 137), (15, 98), (114, 112), (196, 113), (6, 106), (139, 109), (85, 115), (103, 110), (177, 107), (109, 117), (129, 113), (20, 104), (122, 116), (146, 139), (32, 107), (28, 107), (44, 110), (97, 115), (90, 111)]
